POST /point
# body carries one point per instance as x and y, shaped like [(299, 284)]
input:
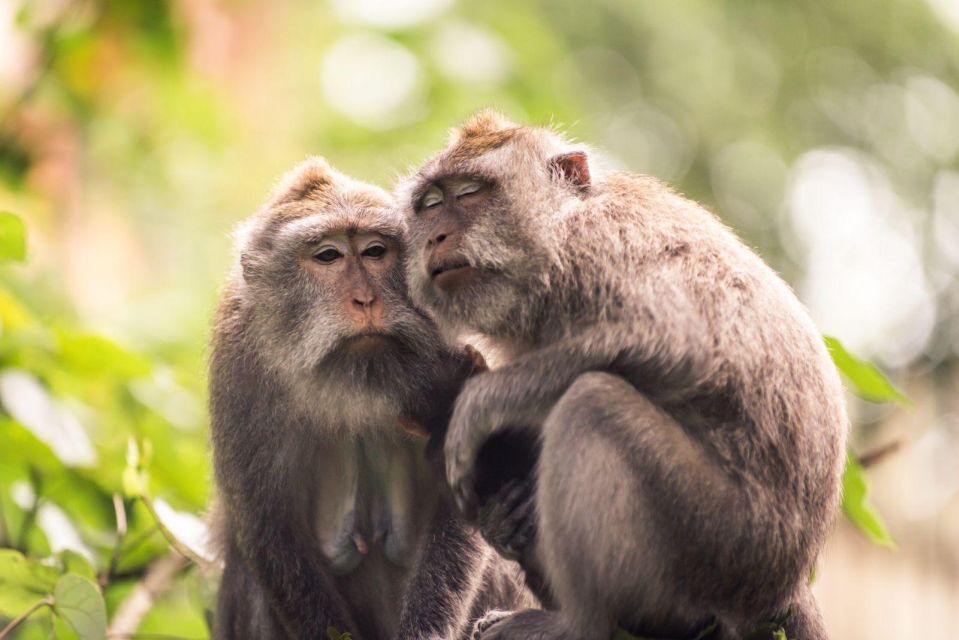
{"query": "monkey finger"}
[(465, 497), (479, 362), (412, 427)]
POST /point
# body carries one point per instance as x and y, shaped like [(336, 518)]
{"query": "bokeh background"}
[(135, 134)]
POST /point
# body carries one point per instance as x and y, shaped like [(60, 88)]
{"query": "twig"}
[(4, 534), (121, 515), (178, 546), (158, 579), (149, 636), (879, 453), (138, 540), (7, 630)]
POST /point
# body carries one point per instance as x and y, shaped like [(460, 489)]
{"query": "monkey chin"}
[(368, 343)]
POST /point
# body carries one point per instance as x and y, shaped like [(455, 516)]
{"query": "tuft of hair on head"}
[(484, 123), (485, 131), (310, 176)]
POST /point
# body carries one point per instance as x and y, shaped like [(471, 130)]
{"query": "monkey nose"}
[(363, 301), (366, 308)]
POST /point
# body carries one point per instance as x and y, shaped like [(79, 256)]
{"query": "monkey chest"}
[(374, 499)]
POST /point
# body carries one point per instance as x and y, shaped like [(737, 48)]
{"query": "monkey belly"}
[(376, 497)]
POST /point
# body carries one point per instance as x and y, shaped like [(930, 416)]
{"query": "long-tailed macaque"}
[(688, 424), (331, 517)]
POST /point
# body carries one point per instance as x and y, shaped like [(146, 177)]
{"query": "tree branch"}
[(158, 579)]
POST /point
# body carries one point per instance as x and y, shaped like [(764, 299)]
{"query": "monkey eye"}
[(469, 188), (328, 255), (432, 198), (374, 251)]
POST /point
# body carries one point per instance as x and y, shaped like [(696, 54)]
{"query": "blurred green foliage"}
[(133, 135)]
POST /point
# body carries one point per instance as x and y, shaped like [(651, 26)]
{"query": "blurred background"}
[(135, 135)]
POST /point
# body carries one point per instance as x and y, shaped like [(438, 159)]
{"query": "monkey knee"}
[(593, 390)]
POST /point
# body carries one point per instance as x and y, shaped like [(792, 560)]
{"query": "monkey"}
[(330, 516), (688, 425)]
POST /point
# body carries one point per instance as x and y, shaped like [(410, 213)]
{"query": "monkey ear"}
[(249, 266), (573, 167), (310, 176)]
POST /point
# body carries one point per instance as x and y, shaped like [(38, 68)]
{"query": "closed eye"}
[(431, 198), (469, 189)]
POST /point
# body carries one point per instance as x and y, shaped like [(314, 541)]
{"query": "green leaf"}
[(78, 602), (73, 562), (332, 633), (13, 237), (18, 570), (133, 483), (856, 505), (22, 582), (865, 379), (87, 354), (15, 600)]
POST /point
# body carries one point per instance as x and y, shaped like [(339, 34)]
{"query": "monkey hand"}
[(472, 423), (476, 359), (507, 521)]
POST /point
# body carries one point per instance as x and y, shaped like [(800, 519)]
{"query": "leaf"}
[(13, 237), (87, 354), (30, 404), (332, 633), (866, 381), (856, 505), (78, 602), (16, 569), (185, 527), (22, 582), (134, 485), (74, 562), (15, 600)]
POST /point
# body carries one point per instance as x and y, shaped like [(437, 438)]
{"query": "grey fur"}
[(691, 423), (330, 514)]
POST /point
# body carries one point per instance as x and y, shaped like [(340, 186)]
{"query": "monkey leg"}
[(621, 493), (243, 610), (804, 621)]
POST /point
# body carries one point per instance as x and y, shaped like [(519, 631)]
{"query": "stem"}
[(7, 630), (178, 546), (28, 519), (4, 534), (870, 458), (157, 581), (147, 636), (120, 511), (135, 542)]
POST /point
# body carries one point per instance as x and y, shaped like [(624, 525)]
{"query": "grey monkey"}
[(330, 516), (688, 425)]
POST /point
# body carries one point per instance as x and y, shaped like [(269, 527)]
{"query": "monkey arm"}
[(667, 360), (286, 562), (441, 594)]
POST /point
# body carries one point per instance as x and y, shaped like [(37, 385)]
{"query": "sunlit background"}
[(134, 135)]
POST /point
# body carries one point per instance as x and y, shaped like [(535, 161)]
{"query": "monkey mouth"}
[(453, 275), (367, 339)]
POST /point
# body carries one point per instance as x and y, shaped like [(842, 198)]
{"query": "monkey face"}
[(322, 269), (485, 222)]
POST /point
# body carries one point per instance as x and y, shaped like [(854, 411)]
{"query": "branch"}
[(7, 630), (879, 453), (158, 579)]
